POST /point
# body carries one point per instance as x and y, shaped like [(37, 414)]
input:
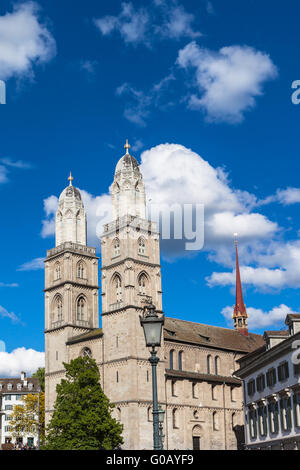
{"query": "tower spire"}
[(70, 179), (239, 313), (127, 147)]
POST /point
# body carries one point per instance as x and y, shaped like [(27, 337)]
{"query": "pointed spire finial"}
[(127, 147), (239, 313), (70, 179)]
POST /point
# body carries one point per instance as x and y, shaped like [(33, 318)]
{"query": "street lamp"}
[(152, 325)]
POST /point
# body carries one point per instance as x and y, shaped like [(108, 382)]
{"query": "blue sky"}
[(213, 79)]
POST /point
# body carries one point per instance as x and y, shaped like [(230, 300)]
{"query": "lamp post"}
[(161, 417), (152, 325)]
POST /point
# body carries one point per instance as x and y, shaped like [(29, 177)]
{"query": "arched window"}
[(143, 284), (208, 363), (149, 413), (171, 357), (59, 308), (217, 365), (174, 418), (180, 354), (215, 421), (86, 352), (233, 421), (118, 288), (80, 270), (57, 271), (116, 247), (80, 308), (142, 246), (118, 414)]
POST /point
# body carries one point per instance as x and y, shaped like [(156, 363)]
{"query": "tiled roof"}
[(96, 333), (210, 336), (207, 377), (277, 333), (15, 381)]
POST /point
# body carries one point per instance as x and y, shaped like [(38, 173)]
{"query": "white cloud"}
[(20, 164), (132, 24), (178, 24), (20, 359), (227, 81), (33, 265), (160, 20), (12, 316), (3, 174), (137, 145), (3, 284), (260, 319), (24, 41), (139, 103)]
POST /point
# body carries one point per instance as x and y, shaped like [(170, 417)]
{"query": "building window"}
[(213, 392), (232, 393), (252, 424), (117, 283), (273, 418), (147, 376), (251, 387), (7, 428), (149, 413), (217, 365), (271, 377), (86, 352), (117, 376), (297, 409), (118, 414), (297, 369), (80, 270), (195, 414), (57, 271), (8, 407), (173, 388), (19, 386), (215, 418), (143, 284), (9, 386), (59, 308), (260, 383), (142, 246), (30, 386), (285, 414), (283, 371), (262, 420), (171, 359), (175, 418), (7, 397), (116, 247), (194, 390), (180, 354), (208, 362), (80, 308), (233, 421)]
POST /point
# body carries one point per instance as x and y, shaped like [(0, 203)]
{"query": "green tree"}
[(25, 420), (40, 374), (82, 412)]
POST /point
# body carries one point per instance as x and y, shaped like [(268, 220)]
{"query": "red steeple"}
[(239, 313)]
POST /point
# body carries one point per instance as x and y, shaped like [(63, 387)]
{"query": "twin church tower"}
[(131, 276)]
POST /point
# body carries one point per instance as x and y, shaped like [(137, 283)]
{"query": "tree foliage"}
[(40, 374), (82, 412), (25, 418)]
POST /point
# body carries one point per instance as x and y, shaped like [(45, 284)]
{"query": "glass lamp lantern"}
[(152, 325), (161, 414)]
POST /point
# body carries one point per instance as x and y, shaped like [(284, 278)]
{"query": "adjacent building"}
[(196, 387), (12, 391), (271, 388)]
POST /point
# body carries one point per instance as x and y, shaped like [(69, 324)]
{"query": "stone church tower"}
[(201, 397), (71, 287), (130, 276)]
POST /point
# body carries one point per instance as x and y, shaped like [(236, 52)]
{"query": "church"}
[(201, 397)]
